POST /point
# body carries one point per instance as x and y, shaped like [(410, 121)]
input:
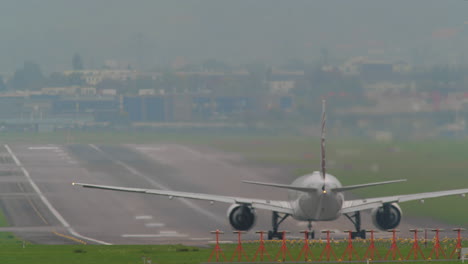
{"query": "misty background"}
[(149, 34), (387, 68)]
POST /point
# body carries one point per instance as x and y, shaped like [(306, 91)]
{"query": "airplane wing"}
[(365, 204), (277, 206)]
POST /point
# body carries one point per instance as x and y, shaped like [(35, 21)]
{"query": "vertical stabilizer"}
[(322, 144)]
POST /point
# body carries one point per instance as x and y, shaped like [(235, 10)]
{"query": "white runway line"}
[(165, 234), (43, 148), (155, 224), (150, 149), (169, 232), (200, 238), (221, 242), (48, 204), (143, 217)]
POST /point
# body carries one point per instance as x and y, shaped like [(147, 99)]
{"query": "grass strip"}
[(172, 254)]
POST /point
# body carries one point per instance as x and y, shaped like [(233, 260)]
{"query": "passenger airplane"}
[(313, 197)]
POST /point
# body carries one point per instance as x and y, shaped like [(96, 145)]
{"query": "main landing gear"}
[(311, 232), (276, 220), (355, 218)]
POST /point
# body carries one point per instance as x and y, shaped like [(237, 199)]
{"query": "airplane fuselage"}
[(320, 205)]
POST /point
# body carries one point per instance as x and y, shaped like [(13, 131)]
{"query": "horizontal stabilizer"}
[(284, 186), (358, 186)]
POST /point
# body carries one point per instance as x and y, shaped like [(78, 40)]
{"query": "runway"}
[(43, 207), (123, 218)]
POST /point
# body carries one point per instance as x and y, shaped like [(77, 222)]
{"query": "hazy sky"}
[(157, 31)]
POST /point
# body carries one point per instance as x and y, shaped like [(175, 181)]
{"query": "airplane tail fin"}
[(358, 186), (322, 144)]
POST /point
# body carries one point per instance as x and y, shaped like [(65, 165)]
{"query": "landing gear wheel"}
[(359, 234), (356, 220), (276, 221), (312, 235), (273, 235), (311, 232)]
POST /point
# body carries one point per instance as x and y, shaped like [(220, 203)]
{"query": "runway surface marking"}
[(70, 237), (155, 224), (48, 204), (200, 238), (43, 148), (160, 186), (143, 217), (161, 234), (151, 148), (221, 242)]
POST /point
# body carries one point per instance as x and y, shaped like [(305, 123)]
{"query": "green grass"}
[(172, 254), (57, 254), (3, 220), (7, 238)]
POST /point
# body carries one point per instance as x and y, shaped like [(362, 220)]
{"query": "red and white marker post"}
[(371, 252), (394, 250), (305, 251), (458, 247), (217, 249), (437, 248), (284, 249), (261, 249), (350, 252), (328, 250), (239, 253), (415, 249)]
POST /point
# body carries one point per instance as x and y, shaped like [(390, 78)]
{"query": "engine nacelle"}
[(387, 217), (241, 217)]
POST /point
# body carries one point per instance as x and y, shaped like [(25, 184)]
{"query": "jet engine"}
[(387, 216), (241, 217)]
